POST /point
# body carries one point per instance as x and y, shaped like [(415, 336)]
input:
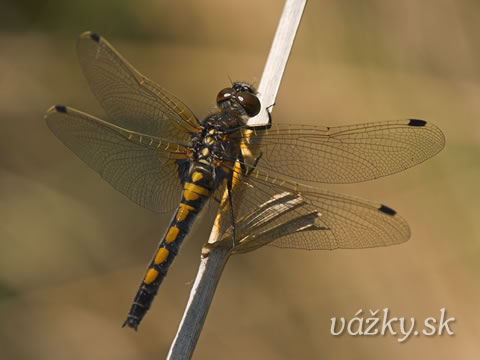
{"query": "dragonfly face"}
[(154, 150), (240, 99)]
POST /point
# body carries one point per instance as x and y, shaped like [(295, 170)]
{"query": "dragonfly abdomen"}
[(196, 191)]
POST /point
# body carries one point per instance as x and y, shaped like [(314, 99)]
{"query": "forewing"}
[(344, 154), (131, 100), (142, 167)]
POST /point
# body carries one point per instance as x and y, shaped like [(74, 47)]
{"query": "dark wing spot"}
[(416, 122), (387, 210), (95, 37), (61, 108)]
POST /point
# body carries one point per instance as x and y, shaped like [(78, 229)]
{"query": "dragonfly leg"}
[(268, 125), (257, 159), (229, 189)]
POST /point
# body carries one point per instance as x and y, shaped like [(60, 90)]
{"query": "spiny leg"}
[(229, 190), (267, 126), (257, 159)]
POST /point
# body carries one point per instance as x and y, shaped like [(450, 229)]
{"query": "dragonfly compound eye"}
[(249, 102), (225, 94)]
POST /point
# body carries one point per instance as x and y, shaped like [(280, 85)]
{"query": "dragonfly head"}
[(240, 98)]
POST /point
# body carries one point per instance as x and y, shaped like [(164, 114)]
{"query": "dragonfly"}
[(152, 148)]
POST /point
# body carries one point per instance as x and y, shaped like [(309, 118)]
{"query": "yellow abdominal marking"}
[(171, 234), (183, 212), (197, 176), (150, 276), (193, 192), (161, 256)]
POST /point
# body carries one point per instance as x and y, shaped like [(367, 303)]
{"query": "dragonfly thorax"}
[(213, 141)]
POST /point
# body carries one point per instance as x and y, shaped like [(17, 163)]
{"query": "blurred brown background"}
[(73, 250)]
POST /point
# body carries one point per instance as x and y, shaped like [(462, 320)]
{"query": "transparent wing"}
[(142, 167), (338, 221), (344, 154), (131, 100)]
